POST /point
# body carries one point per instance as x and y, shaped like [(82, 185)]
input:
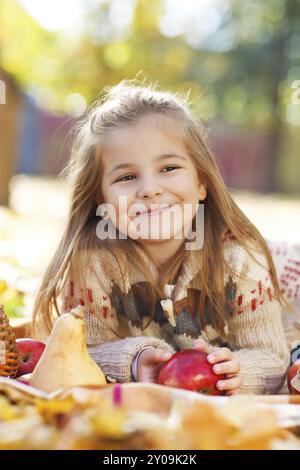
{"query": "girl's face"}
[(147, 163)]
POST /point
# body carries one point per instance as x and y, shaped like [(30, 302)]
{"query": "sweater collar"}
[(189, 269)]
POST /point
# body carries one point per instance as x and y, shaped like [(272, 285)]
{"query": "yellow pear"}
[(65, 361)]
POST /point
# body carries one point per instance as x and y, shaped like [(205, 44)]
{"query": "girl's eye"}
[(126, 177), (172, 168), (123, 178)]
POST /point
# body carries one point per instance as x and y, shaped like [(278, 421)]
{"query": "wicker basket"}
[(9, 357)]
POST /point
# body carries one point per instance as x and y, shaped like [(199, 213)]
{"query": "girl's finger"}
[(228, 367), (201, 345), (153, 356), (160, 356), (229, 384), (220, 355)]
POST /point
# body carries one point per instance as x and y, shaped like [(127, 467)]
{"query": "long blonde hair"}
[(120, 106)]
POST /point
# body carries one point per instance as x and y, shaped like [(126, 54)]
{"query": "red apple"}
[(189, 369), (30, 351), (292, 372)]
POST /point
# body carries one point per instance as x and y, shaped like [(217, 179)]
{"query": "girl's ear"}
[(202, 192)]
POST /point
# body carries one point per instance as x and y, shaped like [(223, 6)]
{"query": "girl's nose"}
[(148, 189)]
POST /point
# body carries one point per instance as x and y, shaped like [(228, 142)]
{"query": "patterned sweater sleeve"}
[(255, 329), (286, 257), (110, 344)]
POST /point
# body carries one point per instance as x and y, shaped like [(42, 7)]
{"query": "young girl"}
[(147, 296)]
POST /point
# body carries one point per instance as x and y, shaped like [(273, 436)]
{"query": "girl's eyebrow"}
[(165, 156)]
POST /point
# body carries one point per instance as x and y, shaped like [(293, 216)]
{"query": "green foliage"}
[(28, 52), (242, 72), (12, 300)]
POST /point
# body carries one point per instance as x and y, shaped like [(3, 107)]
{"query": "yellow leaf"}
[(50, 409), (3, 286)]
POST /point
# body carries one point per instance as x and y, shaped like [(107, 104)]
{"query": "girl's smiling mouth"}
[(152, 211)]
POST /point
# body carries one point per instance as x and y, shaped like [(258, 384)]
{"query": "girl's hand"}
[(149, 364), (225, 362)]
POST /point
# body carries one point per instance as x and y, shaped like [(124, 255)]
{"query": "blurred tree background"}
[(239, 62)]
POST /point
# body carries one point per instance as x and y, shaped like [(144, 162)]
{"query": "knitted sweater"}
[(254, 327), (286, 258)]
